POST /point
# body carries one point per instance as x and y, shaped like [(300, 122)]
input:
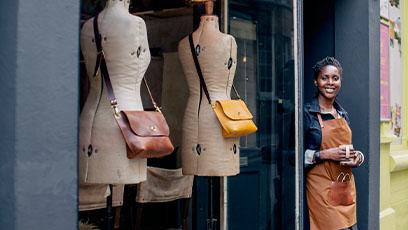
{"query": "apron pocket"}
[(340, 192)]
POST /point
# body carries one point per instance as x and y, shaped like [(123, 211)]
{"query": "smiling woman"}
[(329, 155)]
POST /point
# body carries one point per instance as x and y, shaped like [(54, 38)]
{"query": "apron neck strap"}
[(320, 120)]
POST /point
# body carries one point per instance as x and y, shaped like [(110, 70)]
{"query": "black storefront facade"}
[(278, 42)]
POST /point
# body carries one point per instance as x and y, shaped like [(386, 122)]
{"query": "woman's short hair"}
[(325, 62)]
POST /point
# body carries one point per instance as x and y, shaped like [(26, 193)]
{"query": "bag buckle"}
[(114, 104), (116, 111), (157, 107)]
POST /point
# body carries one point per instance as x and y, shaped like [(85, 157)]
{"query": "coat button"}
[(89, 150), (198, 149), (198, 50), (235, 148), (229, 63), (138, 51)]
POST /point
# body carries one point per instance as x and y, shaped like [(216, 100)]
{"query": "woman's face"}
[(328, 82)]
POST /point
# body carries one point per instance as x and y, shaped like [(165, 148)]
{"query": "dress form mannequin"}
[(205, 152), (103, 157)]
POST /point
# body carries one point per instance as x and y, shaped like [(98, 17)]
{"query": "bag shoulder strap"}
[(198, 68), (200, 73), (101, 65), (229, 69)]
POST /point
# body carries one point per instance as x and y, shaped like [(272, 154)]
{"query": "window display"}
[(201, 183)]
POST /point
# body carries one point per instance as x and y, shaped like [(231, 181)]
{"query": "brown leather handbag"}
[(340, 190), (146, 132)]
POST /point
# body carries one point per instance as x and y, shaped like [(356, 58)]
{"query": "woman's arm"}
[(310, 158), (335, 154), (309, 145)]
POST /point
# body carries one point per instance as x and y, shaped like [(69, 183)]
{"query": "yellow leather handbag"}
[(235, 118), (233, 115)]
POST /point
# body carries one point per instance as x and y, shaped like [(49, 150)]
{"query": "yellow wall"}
[(394, 157)]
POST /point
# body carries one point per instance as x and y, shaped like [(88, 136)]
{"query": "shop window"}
[(263, 191)]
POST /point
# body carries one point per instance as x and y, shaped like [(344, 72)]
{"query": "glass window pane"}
[(264, 191)]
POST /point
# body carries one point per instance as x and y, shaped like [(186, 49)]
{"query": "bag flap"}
[(235, 109), (147, 123)]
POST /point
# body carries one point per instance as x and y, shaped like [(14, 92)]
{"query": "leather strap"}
[(320, 120), (229, 71), (101, 65), (98, 39), (150, 95), (200, 73), (197, 65)]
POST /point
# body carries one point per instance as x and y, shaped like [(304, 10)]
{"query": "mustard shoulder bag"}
[(234, 116)]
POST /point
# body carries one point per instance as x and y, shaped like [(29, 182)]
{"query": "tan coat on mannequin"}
[(102, 148), (205, 152)]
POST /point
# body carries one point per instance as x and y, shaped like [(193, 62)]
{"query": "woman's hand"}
[(336, 154), (356, 161)]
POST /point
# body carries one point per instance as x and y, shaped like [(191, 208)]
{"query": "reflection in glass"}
[(262, 196)]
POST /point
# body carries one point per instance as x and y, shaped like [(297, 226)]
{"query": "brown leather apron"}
[(330, 187)]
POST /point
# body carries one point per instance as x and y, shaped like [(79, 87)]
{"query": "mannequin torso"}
[(102, 148), (205, 151)]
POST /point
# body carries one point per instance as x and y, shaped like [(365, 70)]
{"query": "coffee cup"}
[(348, 148)]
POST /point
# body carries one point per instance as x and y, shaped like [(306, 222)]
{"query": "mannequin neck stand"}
[(209, 23), (117, 5)]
